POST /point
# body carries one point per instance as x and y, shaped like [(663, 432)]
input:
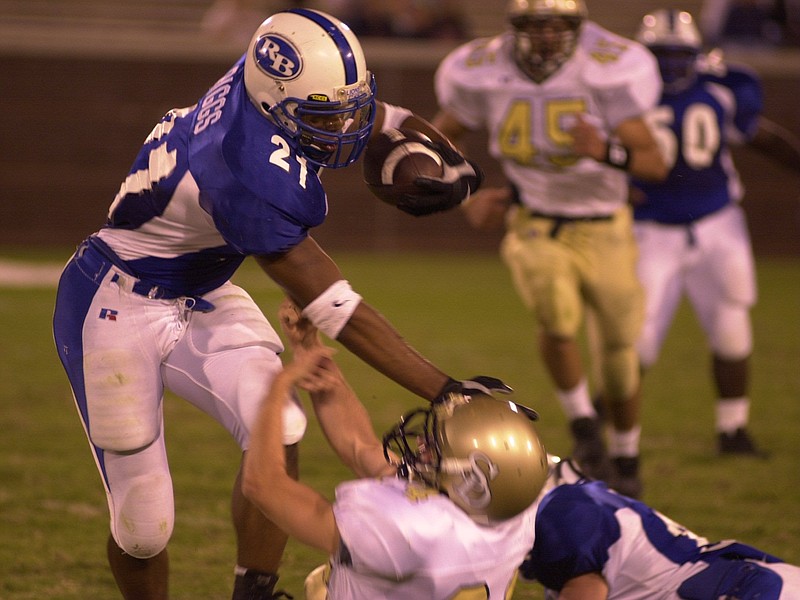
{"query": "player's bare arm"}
[(306, 272), (296, 508), (634, 149), (778, 143), (590, 586), (343, 419)]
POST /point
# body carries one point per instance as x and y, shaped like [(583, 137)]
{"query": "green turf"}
[(460, 311)]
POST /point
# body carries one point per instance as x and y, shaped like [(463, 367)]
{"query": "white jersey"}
[(406, 541), (609, 79)]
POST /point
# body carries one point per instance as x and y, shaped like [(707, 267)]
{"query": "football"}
[(394, 159)]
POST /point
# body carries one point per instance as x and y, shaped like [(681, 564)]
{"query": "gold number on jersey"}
[(607, 51), (515, 134), (479, 55), (560, 115)]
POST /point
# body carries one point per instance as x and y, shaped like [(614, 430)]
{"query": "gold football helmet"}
[(545, 34), (483, 452)]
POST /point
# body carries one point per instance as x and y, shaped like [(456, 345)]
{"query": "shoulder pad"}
[(613, 60)]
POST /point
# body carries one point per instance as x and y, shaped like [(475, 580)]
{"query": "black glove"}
[(460, 178), (480, 384)]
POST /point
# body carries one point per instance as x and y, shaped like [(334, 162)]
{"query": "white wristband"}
[(332, 309)]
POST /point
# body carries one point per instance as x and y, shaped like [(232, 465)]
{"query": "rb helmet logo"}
[(277, 57)]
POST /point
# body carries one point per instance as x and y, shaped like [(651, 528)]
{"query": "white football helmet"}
[(483, 452), (306, 70), (545, 34), (672, 36)]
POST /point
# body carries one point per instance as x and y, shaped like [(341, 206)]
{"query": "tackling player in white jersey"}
[(692, 232), (562, 100), (594, 544), (456, 523), (146, 303)]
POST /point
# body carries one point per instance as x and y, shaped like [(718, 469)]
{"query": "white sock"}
[(732, 413), (624, 443), (576, 402)]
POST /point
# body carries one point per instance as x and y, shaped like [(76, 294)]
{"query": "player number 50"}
[(700, 135)]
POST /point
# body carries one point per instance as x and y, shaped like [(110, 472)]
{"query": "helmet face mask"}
[(677, 66), (545, 34), (330, 134), (306, 70), (482, 452), (674, 39)]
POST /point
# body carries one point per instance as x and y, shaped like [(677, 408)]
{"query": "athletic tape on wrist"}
[(330, 311)]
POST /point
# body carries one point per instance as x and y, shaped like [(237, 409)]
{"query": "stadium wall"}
[(74, 114)]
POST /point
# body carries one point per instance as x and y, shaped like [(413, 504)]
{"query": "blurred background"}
[(82, 82)]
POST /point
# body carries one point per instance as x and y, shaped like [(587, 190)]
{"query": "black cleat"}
[(590, 448), (257, 585), (626, 479), (739, 442)]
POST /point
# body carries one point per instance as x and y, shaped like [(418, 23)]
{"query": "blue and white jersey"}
[(694, 129), (212, 183), (587, 528)]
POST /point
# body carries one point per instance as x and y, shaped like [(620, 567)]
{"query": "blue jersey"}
[(212, 183), (695, 129), (586, 528)]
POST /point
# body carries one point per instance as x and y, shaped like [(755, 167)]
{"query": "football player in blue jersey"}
[(592, 543), (692, 232), (146, 303)]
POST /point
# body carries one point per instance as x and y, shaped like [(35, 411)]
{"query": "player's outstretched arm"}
[(778, 143), (294, 507), (315, 283), (343, 419)]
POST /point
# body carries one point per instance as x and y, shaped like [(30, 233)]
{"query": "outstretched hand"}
[(300, 332), (311, 370), (312, 367)]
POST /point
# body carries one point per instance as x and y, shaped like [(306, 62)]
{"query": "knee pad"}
[(621, 369), (123, 397), (731, 335), (143, 514)]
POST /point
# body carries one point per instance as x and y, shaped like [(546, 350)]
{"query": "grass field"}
[(461, 312)]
